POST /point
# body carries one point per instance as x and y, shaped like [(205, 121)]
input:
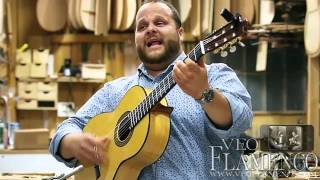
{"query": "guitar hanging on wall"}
[(139, 127)]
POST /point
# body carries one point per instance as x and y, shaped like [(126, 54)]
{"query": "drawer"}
[(27, 90), (40, 56), (24, 57), (47, 86), (47, 95), (27, 94), (26, 85), (23, 70), (27, 104), (38, 70)]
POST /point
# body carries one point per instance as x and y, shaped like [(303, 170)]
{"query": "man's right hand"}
[(86, 148)]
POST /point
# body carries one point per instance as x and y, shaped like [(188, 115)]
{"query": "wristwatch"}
[(207, 96)]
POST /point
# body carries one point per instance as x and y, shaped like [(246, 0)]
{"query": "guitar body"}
[(125, 158)]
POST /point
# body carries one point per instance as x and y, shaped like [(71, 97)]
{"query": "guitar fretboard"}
[(159, 92)]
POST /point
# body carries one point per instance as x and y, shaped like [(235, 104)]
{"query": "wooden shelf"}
[(89, 38), (79, 80), (39, 109), (64, 80), (31, 151)]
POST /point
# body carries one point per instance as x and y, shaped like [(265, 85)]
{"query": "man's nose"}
[(151, 29)]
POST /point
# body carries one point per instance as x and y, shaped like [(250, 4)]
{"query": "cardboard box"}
[(31, 139), (93, 71)]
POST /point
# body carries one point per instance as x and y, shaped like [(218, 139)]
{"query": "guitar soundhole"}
[(122, 133)]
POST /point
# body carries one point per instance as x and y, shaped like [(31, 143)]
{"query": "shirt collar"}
[(142, 69)]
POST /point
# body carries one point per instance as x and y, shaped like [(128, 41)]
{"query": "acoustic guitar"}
[(139, 127)]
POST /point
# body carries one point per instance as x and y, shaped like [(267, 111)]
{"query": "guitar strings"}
[(127, 122), (123, 129)]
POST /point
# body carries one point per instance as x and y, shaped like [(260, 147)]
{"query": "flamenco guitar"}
[(139, 127)]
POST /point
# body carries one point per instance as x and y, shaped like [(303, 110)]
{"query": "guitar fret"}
[(135, 116), (140, 113), (131, 125), (137, 111), (160, 88), (152, 95), (148, 103), (143, 108)]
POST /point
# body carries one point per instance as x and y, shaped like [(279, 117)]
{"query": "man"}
[(211, 106)]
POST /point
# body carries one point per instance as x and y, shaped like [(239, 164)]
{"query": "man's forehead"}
[(154, 7)]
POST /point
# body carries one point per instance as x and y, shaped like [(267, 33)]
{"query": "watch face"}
[(208, 95)]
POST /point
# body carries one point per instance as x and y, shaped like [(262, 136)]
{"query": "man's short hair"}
[(175, 13)]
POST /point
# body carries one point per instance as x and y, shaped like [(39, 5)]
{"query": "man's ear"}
[(180, 32)]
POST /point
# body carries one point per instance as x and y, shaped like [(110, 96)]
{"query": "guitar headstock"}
[(227, 36)]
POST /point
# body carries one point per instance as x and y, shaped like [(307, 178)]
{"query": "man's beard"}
[(171, 51)]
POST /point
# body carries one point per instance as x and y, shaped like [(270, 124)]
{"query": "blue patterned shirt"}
[(195, 146)]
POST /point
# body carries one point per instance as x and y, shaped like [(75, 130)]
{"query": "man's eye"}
[(160, 23), (141, 27)]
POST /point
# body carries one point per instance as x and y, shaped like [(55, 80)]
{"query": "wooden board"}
[(313, 100), (114, 59), (87, 14), (117, 13), (218, 6), (72, 14), (243, 7), (183, 7), (256, 5), (196, 18), (103, 13), (77, 10), (267, 12), (48, 17), (312, 28), (129, 14), (2, 10), (211, 15), (205, 16)]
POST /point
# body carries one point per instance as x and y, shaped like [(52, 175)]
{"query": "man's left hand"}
[(191, 77)]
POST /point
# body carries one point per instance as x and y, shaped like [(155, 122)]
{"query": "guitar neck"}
[(217, 42), (161, 90)]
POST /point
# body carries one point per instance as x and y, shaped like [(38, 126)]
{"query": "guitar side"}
[(144, 144)]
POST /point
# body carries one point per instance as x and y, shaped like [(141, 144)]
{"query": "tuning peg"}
[(227, 15), (223, 53), (241, 44), (232, 49)]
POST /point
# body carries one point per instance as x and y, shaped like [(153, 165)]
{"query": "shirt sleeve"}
[(100, 102), (226, 81)]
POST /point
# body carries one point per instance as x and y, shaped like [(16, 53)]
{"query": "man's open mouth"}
[(154, 42)]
